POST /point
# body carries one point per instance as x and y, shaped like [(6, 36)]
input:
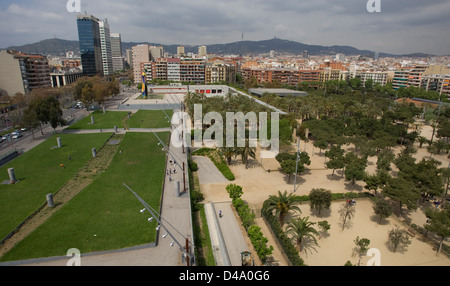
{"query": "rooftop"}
[(278, 91)]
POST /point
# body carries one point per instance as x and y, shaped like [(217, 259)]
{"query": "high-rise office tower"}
[(90, 44), (116, 51), (105, 41)]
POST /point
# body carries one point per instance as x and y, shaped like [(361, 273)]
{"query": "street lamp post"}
[(155, 215), (182, 168), (296, 161)]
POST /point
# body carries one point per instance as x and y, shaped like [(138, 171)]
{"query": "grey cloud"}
[(325, 22)]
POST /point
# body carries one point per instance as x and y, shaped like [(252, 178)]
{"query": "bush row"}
[(284, 241), (259, 241)]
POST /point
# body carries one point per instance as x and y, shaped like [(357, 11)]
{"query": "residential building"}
[(90, 44), (202, 51), (219, 71), (156, 53), (331, 74), (415, 75), (149, 69), (379, 77), (173, 69), (308, 76), (160, 69), (21, 73), (401, 77), (180, 51), (140, 55), (192, 70)]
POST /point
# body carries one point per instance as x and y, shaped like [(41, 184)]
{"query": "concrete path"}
[(226, 235), (207, 171)]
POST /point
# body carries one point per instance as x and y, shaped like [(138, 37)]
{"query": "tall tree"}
[(320, 199), (398, 237), (300, 230), (403, 191), (347, 211), (439, 223), (282, 204), (382, 209)]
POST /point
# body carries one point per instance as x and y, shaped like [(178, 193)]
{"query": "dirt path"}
[(80, 180)]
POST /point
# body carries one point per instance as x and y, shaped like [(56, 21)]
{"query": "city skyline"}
[(399, 28)]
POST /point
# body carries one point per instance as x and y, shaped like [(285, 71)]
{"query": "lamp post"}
[(182, 168), (296, 161), (155, 215)]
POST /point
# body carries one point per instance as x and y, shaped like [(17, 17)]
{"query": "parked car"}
[(17, 135)]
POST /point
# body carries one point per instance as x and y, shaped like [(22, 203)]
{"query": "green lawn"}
[(101, 120), (150, 119), (39, 173), (105, 215)]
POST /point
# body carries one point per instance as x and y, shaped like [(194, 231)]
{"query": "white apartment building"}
[(105, 43), (173, 69), (202, 51)]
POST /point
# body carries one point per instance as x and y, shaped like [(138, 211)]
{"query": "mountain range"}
[(58, 47)]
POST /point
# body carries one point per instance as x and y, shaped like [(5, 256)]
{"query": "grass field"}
[(101, 120), (105, 215), (39, 173), (150, 119)]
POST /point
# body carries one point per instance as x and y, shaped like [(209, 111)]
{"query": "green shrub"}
[(284, 241), (259, 241), (192, 166), (234, 191)]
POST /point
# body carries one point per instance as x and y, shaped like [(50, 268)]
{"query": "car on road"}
[(17, 135)]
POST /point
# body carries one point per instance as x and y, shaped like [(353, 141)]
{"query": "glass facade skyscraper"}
[(90, 45)]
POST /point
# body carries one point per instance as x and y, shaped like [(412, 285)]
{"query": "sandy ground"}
[(258, 184)]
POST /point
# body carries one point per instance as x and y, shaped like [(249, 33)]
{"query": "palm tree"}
[(302, 229), (282, 204), (246, 152), (227, 152)]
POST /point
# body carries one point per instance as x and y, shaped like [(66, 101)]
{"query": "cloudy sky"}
[(402, 26)]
